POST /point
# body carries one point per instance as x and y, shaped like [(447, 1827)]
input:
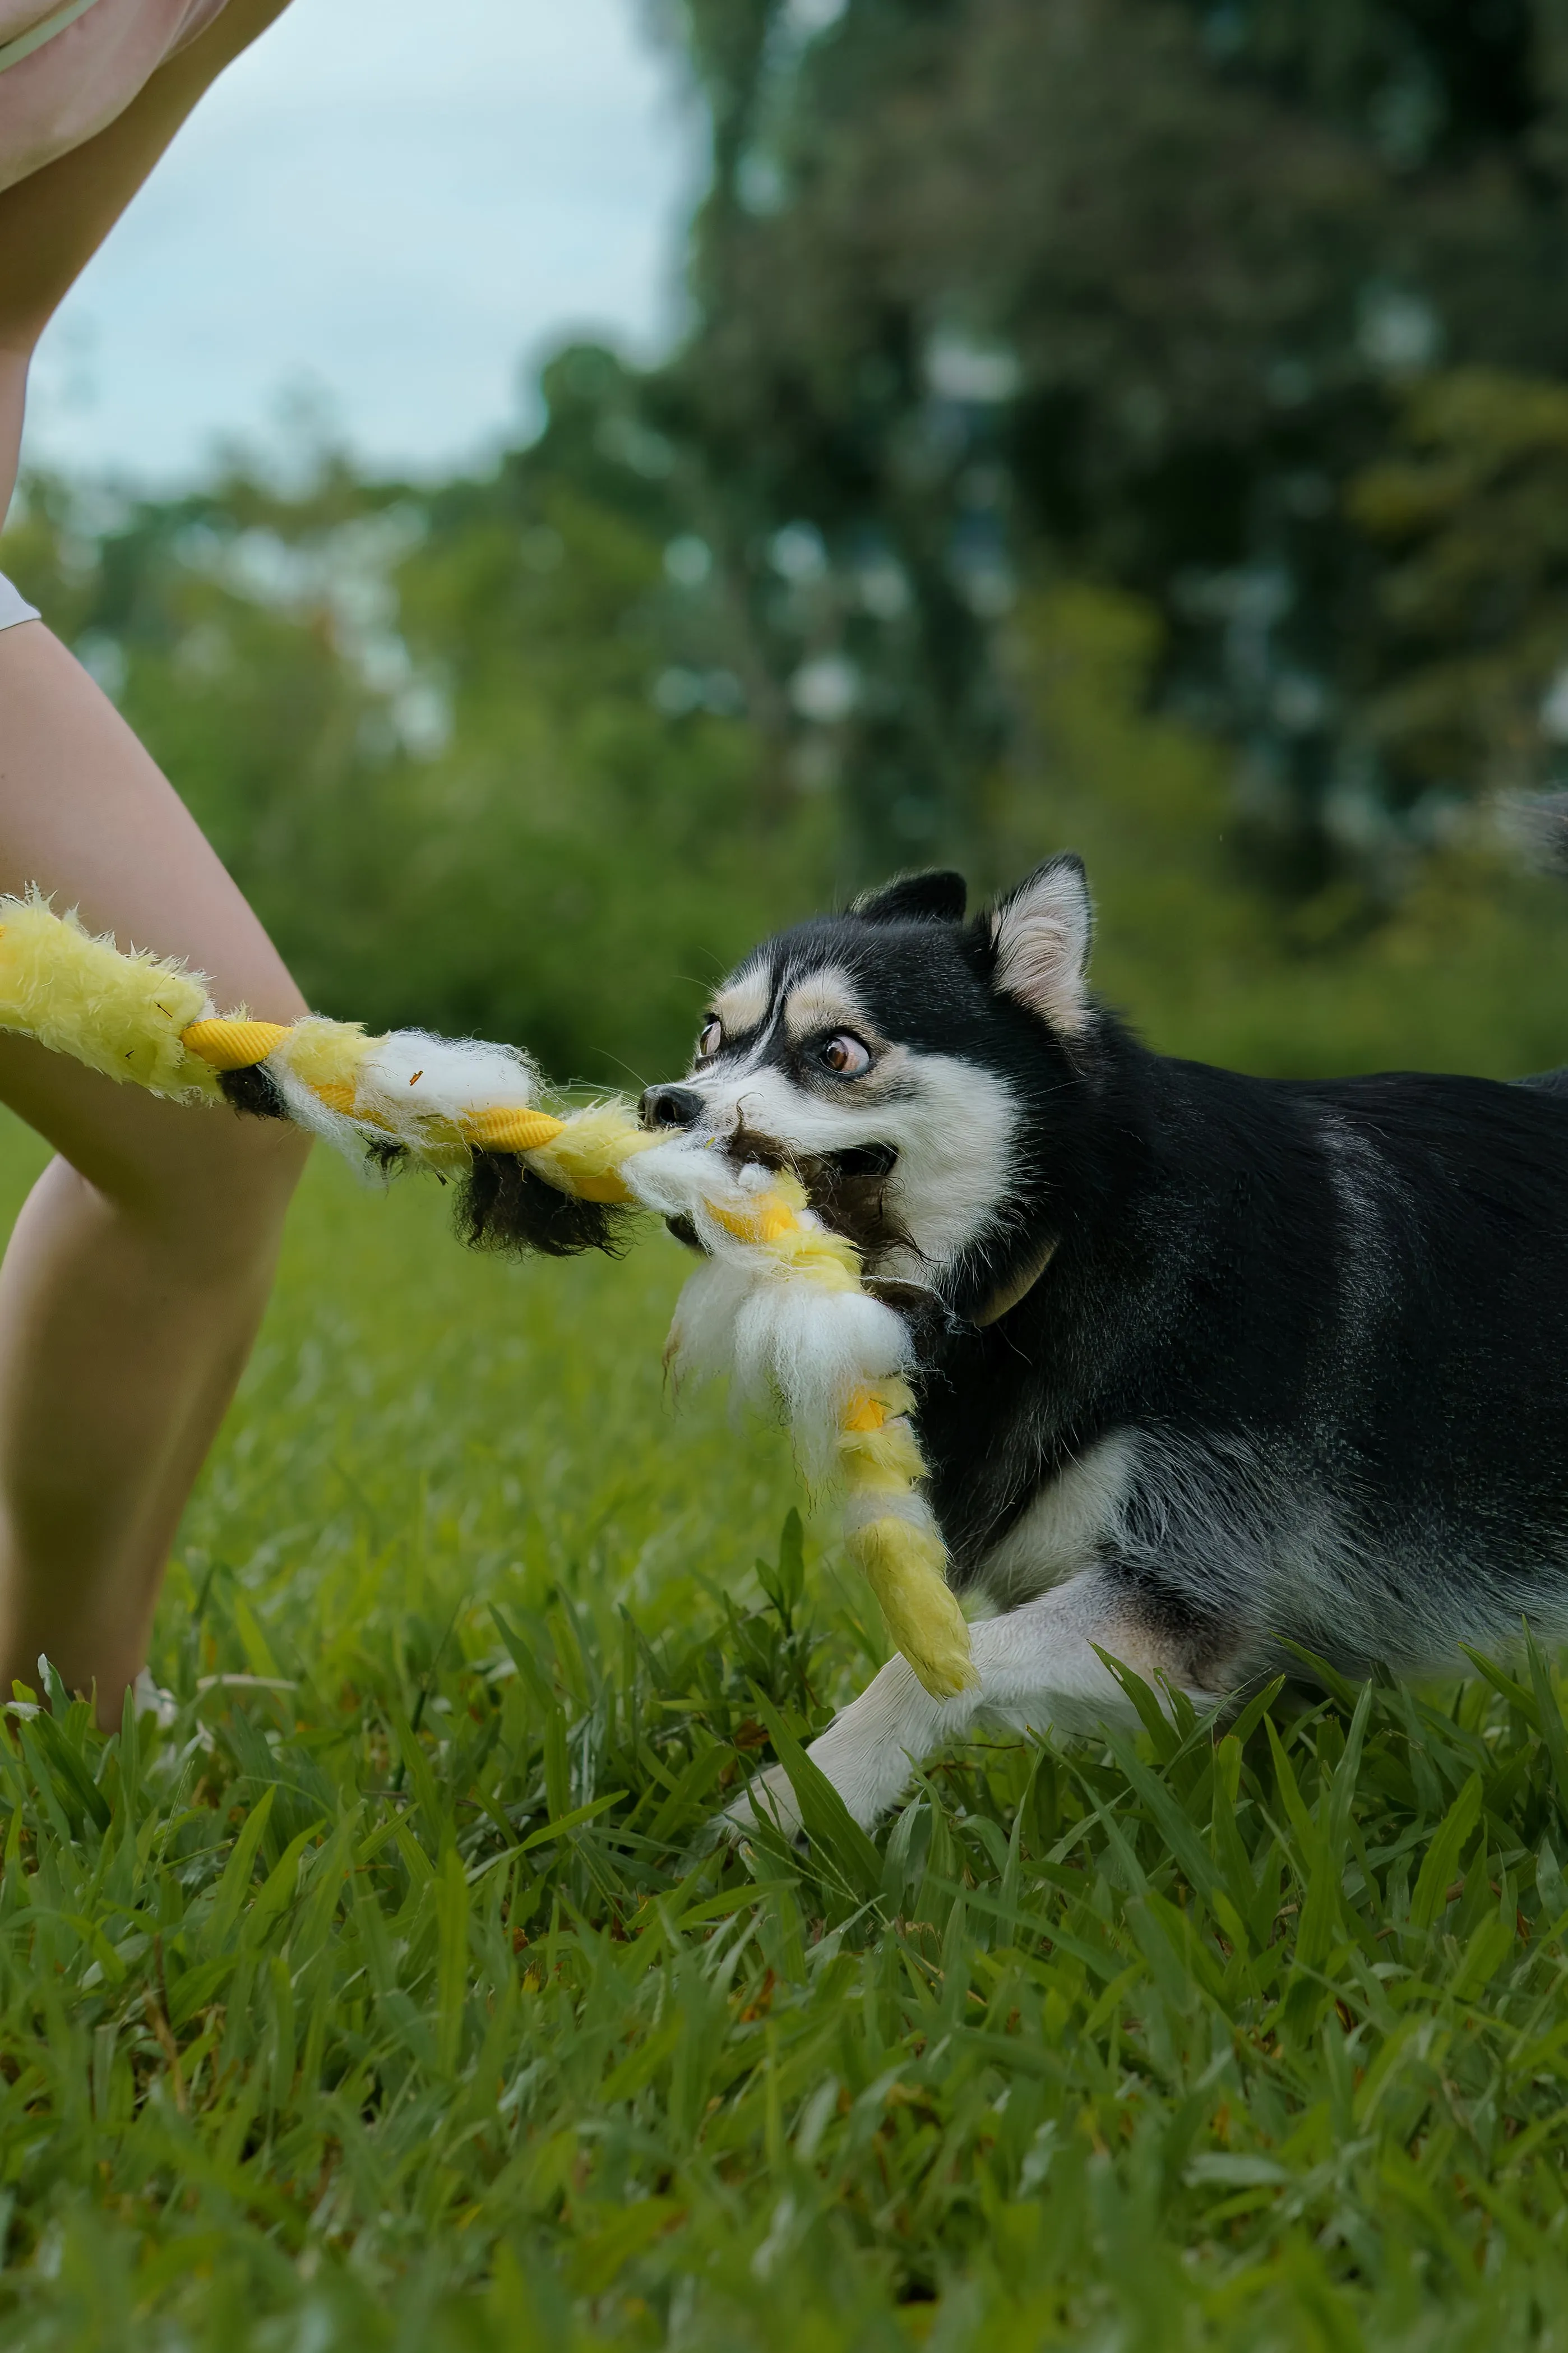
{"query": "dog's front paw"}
[(768, 1795)]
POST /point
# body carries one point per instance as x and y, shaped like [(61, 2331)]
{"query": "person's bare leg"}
[(136, 1274)]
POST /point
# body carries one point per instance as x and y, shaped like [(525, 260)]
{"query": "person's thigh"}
[(86, 815)]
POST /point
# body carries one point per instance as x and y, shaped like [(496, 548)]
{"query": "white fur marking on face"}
[(742, 1001), (1042, 939), (824, 1000), (951, 1123)]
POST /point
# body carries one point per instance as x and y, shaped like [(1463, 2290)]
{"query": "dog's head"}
[(904, 1061)]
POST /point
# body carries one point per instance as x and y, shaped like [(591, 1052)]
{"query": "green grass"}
[(389, 1999)]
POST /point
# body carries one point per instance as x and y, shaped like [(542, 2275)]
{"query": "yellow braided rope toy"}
[(838, 1365)]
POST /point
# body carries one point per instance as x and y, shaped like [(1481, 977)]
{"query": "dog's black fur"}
[(503, 1206), (1408, 1356), (1325, 1321), (254, 1091)]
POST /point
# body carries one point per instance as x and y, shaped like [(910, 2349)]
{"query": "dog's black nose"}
[(670, 1107)]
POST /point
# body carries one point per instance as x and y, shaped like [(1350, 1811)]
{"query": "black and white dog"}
[(1207, 1361)]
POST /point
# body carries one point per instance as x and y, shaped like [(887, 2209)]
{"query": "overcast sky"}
[(390, 205)]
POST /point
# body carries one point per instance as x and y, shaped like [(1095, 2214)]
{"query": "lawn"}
[(389, 1996)]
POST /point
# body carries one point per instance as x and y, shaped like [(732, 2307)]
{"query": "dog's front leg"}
[(866, 1752), (1039, 1671)]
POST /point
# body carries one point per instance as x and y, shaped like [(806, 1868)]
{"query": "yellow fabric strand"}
[(338, 1094), (869, 1408), (232, 1045), (905, 1563), (121, 1015), (585, 1157), (904, 1566), (772, 1220), (882, 1462), (325, 1053), (511, 1131), (768, 1221)]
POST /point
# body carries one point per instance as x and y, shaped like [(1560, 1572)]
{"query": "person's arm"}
[(53, 222)]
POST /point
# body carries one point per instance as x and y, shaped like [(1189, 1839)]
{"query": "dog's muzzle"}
[(670, 1107), (844, 1188)]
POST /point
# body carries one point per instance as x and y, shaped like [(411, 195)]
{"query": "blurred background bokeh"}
[(1139, 425)]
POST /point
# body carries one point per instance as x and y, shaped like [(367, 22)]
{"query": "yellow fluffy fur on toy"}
[(905, 1566), (121, 1015)]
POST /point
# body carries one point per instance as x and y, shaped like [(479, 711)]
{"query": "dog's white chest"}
[(1066, 1527)]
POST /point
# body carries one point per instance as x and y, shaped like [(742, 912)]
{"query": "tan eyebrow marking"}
[(824, 1000), (742, 1002)]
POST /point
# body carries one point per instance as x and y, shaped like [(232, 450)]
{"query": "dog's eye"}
[(713, 1037), (844, 1056)]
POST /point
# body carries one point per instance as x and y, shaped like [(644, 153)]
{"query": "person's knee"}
[(217, 1201), (214, 1176), (231, 1202)]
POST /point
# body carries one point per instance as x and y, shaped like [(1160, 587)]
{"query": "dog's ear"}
[(915, 898), (1041, 934)]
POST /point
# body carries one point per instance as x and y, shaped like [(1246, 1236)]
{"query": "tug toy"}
[(779, 1303)]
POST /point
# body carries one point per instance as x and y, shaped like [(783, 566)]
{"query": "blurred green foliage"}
[(1470, 501), (485, 759), (1468, 970), (1133, 291)]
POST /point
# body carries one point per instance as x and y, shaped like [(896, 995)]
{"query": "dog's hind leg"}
[(1039, 1671)]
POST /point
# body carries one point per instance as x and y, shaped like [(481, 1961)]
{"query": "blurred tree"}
[(991, 288), (1468, 673)]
